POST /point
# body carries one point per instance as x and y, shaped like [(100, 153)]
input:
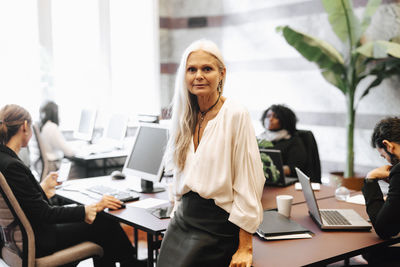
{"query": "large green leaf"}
[(369, 11), (328, 59), (396, 39), (313, 49), (379, 49), (383, 69), (335, 79), (343, 20)]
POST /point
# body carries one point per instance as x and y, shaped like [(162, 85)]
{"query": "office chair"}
[(18, 240), (313, 164), (41, 163)]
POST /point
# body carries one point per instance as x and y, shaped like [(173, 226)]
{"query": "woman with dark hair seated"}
[(280, 129), (55, 144)]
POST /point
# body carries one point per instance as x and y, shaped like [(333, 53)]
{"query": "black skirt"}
[(199, 235)]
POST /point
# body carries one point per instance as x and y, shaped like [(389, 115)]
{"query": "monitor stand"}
[(147, 187)]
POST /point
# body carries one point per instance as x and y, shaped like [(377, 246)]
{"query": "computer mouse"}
[(117, 175)]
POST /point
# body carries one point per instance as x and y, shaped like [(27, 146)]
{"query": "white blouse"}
[(227, 167), (54, 142)]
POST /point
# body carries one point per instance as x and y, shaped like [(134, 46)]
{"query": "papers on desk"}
[(356, 199), (276, 227), (147, 203), (315, 186)]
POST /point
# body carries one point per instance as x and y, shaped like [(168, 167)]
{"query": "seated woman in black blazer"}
[(280, 128), (56, 227)]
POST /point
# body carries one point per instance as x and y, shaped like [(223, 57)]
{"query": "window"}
[(19, 55)]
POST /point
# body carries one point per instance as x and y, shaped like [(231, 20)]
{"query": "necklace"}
[(202, 116)]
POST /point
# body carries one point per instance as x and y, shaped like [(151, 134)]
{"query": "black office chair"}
[(313, 164)]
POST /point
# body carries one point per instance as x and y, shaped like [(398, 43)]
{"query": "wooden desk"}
[(323, 248), (269, 195), (136, 217)]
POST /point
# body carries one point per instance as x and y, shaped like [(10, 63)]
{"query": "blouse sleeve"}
[(248, 177)]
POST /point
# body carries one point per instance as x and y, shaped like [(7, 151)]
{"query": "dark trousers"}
[(383, 257), (104, 232)]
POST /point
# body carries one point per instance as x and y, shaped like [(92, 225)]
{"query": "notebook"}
[(342, 218), (275, 173), (276, 226)]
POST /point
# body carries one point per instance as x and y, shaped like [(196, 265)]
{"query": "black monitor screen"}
[(148, 151)]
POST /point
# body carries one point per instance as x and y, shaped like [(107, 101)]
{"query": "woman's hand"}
[(286, 170), (90, 213), (380, 173), (244, 254), (49, 184), (108, 202)]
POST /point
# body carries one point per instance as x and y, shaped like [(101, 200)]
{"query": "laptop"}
[(330, 219), (273, 166)]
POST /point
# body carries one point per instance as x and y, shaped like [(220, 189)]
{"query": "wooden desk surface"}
[(137, 217), (324, 247), (269, 195)]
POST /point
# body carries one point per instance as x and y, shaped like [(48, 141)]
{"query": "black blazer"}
[(34, 202), (293, 153), (384, 215)]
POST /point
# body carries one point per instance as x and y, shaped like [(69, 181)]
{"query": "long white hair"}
[(185, 107)]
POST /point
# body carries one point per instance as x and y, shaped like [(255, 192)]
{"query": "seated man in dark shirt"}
[(384, 215)]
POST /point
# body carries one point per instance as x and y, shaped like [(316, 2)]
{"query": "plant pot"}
[(356, 182)]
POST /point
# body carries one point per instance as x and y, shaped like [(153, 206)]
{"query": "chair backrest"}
[(42, 159), (18, 240), (313, 164)]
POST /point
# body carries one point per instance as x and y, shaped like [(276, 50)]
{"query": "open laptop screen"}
[(309, 195)]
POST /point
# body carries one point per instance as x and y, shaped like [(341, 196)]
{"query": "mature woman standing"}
[(218, 172), (55, 227)]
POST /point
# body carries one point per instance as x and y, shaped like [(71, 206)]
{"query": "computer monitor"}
[(116, 128), (146, 157), (86, 124)]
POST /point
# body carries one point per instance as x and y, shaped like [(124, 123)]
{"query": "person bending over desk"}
[(56, 227), (384, 215), (218, 172), (280, 129)]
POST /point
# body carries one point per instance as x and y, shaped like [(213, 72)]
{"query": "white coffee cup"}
[(284, 204), (171, 195)]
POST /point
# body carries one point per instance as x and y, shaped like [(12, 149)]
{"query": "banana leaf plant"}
[(357, 59)]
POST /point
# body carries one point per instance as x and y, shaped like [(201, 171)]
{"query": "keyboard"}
[(124, 196), (333, 217)]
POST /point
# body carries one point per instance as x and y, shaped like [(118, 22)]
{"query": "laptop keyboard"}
[(333, 217), (124, 196)]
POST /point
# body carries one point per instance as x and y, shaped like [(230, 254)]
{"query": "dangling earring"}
[(220, 87)]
